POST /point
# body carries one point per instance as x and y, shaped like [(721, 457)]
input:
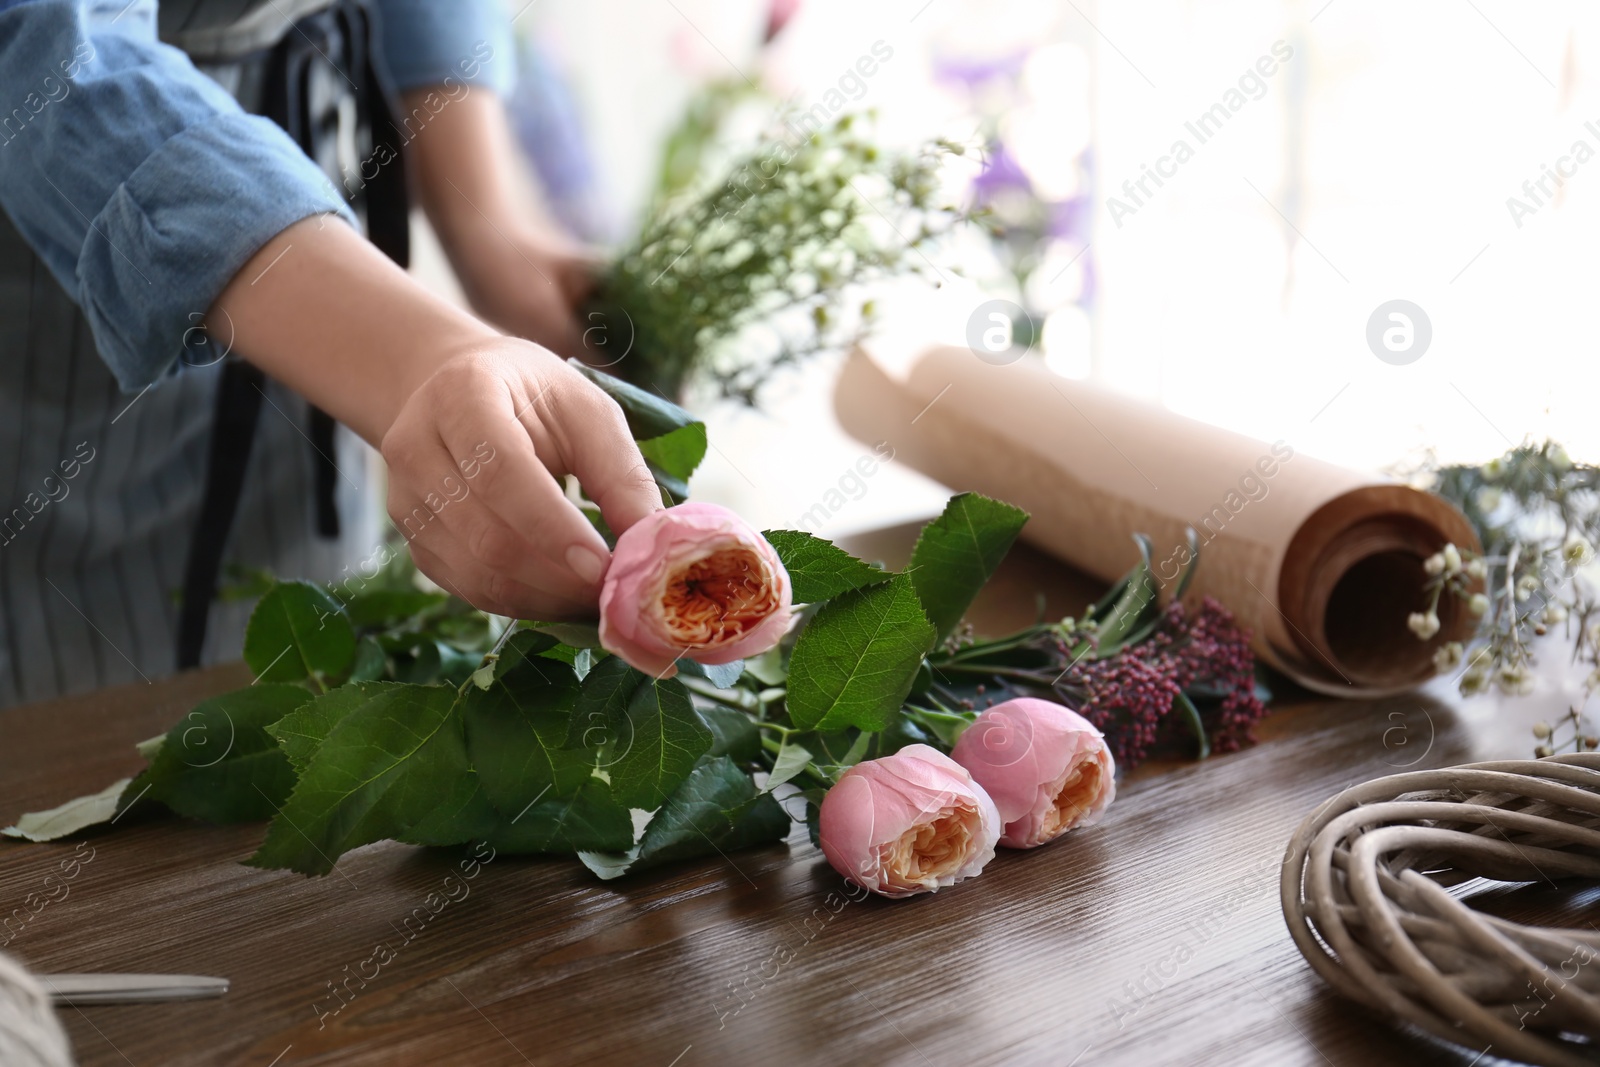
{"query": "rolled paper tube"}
[(1322, 563)]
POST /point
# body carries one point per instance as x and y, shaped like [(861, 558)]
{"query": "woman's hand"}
[(525, 281), (478, 428), (476, 461)]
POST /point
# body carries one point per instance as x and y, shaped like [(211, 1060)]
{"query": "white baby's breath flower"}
[(1553, 613), (1493, 469), (1452, 559), (1423, 624), (1478, 604), (1488, 498), (1434, 564), (1474, 681), (1514, 679), (1447, 657), (1541, 730), (1477, 567), (1576, 552), (1526, 586), (1558, 457)]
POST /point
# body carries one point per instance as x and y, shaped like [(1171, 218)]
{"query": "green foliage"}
[(788, 232), (220, 763), (958, 553), (298, 631), (382, 768), (854, 663), (820, 570), (672, 441), (388, 712)]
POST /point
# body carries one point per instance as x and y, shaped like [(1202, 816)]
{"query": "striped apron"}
[(123, 510)]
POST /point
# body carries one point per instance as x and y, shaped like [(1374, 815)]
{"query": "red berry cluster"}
[(1131, 695)]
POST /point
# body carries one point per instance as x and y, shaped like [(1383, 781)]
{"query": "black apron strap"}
[(345, 31), (237, 410)]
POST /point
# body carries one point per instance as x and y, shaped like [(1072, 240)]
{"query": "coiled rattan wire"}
[(1363, 894)]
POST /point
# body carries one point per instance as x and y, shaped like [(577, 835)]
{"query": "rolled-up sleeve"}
[(435, 42), (139, 182)]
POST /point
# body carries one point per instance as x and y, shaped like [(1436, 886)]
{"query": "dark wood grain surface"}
[(1153, 938)]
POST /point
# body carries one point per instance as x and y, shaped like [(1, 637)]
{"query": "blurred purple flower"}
[(1000, 174), (1069, 218), (971, 73)]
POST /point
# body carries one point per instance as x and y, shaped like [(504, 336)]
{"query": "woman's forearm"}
[(463, 160), (323, 311)]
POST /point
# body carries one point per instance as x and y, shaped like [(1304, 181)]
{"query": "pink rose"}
[(908, 823), (695, 580), (1047, 768)]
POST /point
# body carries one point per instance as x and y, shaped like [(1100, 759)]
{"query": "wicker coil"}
[(1363, 888)]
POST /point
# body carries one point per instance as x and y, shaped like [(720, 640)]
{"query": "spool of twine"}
[(1365, 891), (30, 1033)]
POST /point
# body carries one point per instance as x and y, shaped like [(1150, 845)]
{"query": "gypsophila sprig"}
[(765, 266), (1537, 515)]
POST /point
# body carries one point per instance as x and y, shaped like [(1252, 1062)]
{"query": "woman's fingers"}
[(444, 504), (490, 590), (598, 447), (477, 460)]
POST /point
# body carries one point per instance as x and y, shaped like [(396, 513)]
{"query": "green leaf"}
[(717, 809), (220, 763), (856, 660), (296, 631), (600, 713), (388, 608), (576, 634), (301, 731), (380, 770), (589, 820), (677, 453), (462, 815), (517, 733), (957, 553), (649, 414), (1189, 568), (370, 662), (667, 737), (790, 761), (820, 570), (672, 440), (1191, 717), (1131, 610), (734, 733), (521, 646), (720, 675), (80, 813)]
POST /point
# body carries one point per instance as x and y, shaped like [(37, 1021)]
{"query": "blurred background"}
[(1356, 153)]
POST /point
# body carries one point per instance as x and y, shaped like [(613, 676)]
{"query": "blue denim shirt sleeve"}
[(427, 41), (139, 182)]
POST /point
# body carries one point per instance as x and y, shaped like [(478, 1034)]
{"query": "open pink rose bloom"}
[(910, 822), (1046, 767), (697, 581)]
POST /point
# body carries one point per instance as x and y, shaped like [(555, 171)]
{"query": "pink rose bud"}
[(908, 823), (1046, 766), (695, 580)]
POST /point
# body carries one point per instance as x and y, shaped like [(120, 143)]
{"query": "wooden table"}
[(1153, 938)]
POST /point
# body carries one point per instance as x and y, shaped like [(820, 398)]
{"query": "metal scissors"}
[(130, 988)]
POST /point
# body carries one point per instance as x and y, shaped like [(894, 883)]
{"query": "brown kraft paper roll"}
[(1322, 563)]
